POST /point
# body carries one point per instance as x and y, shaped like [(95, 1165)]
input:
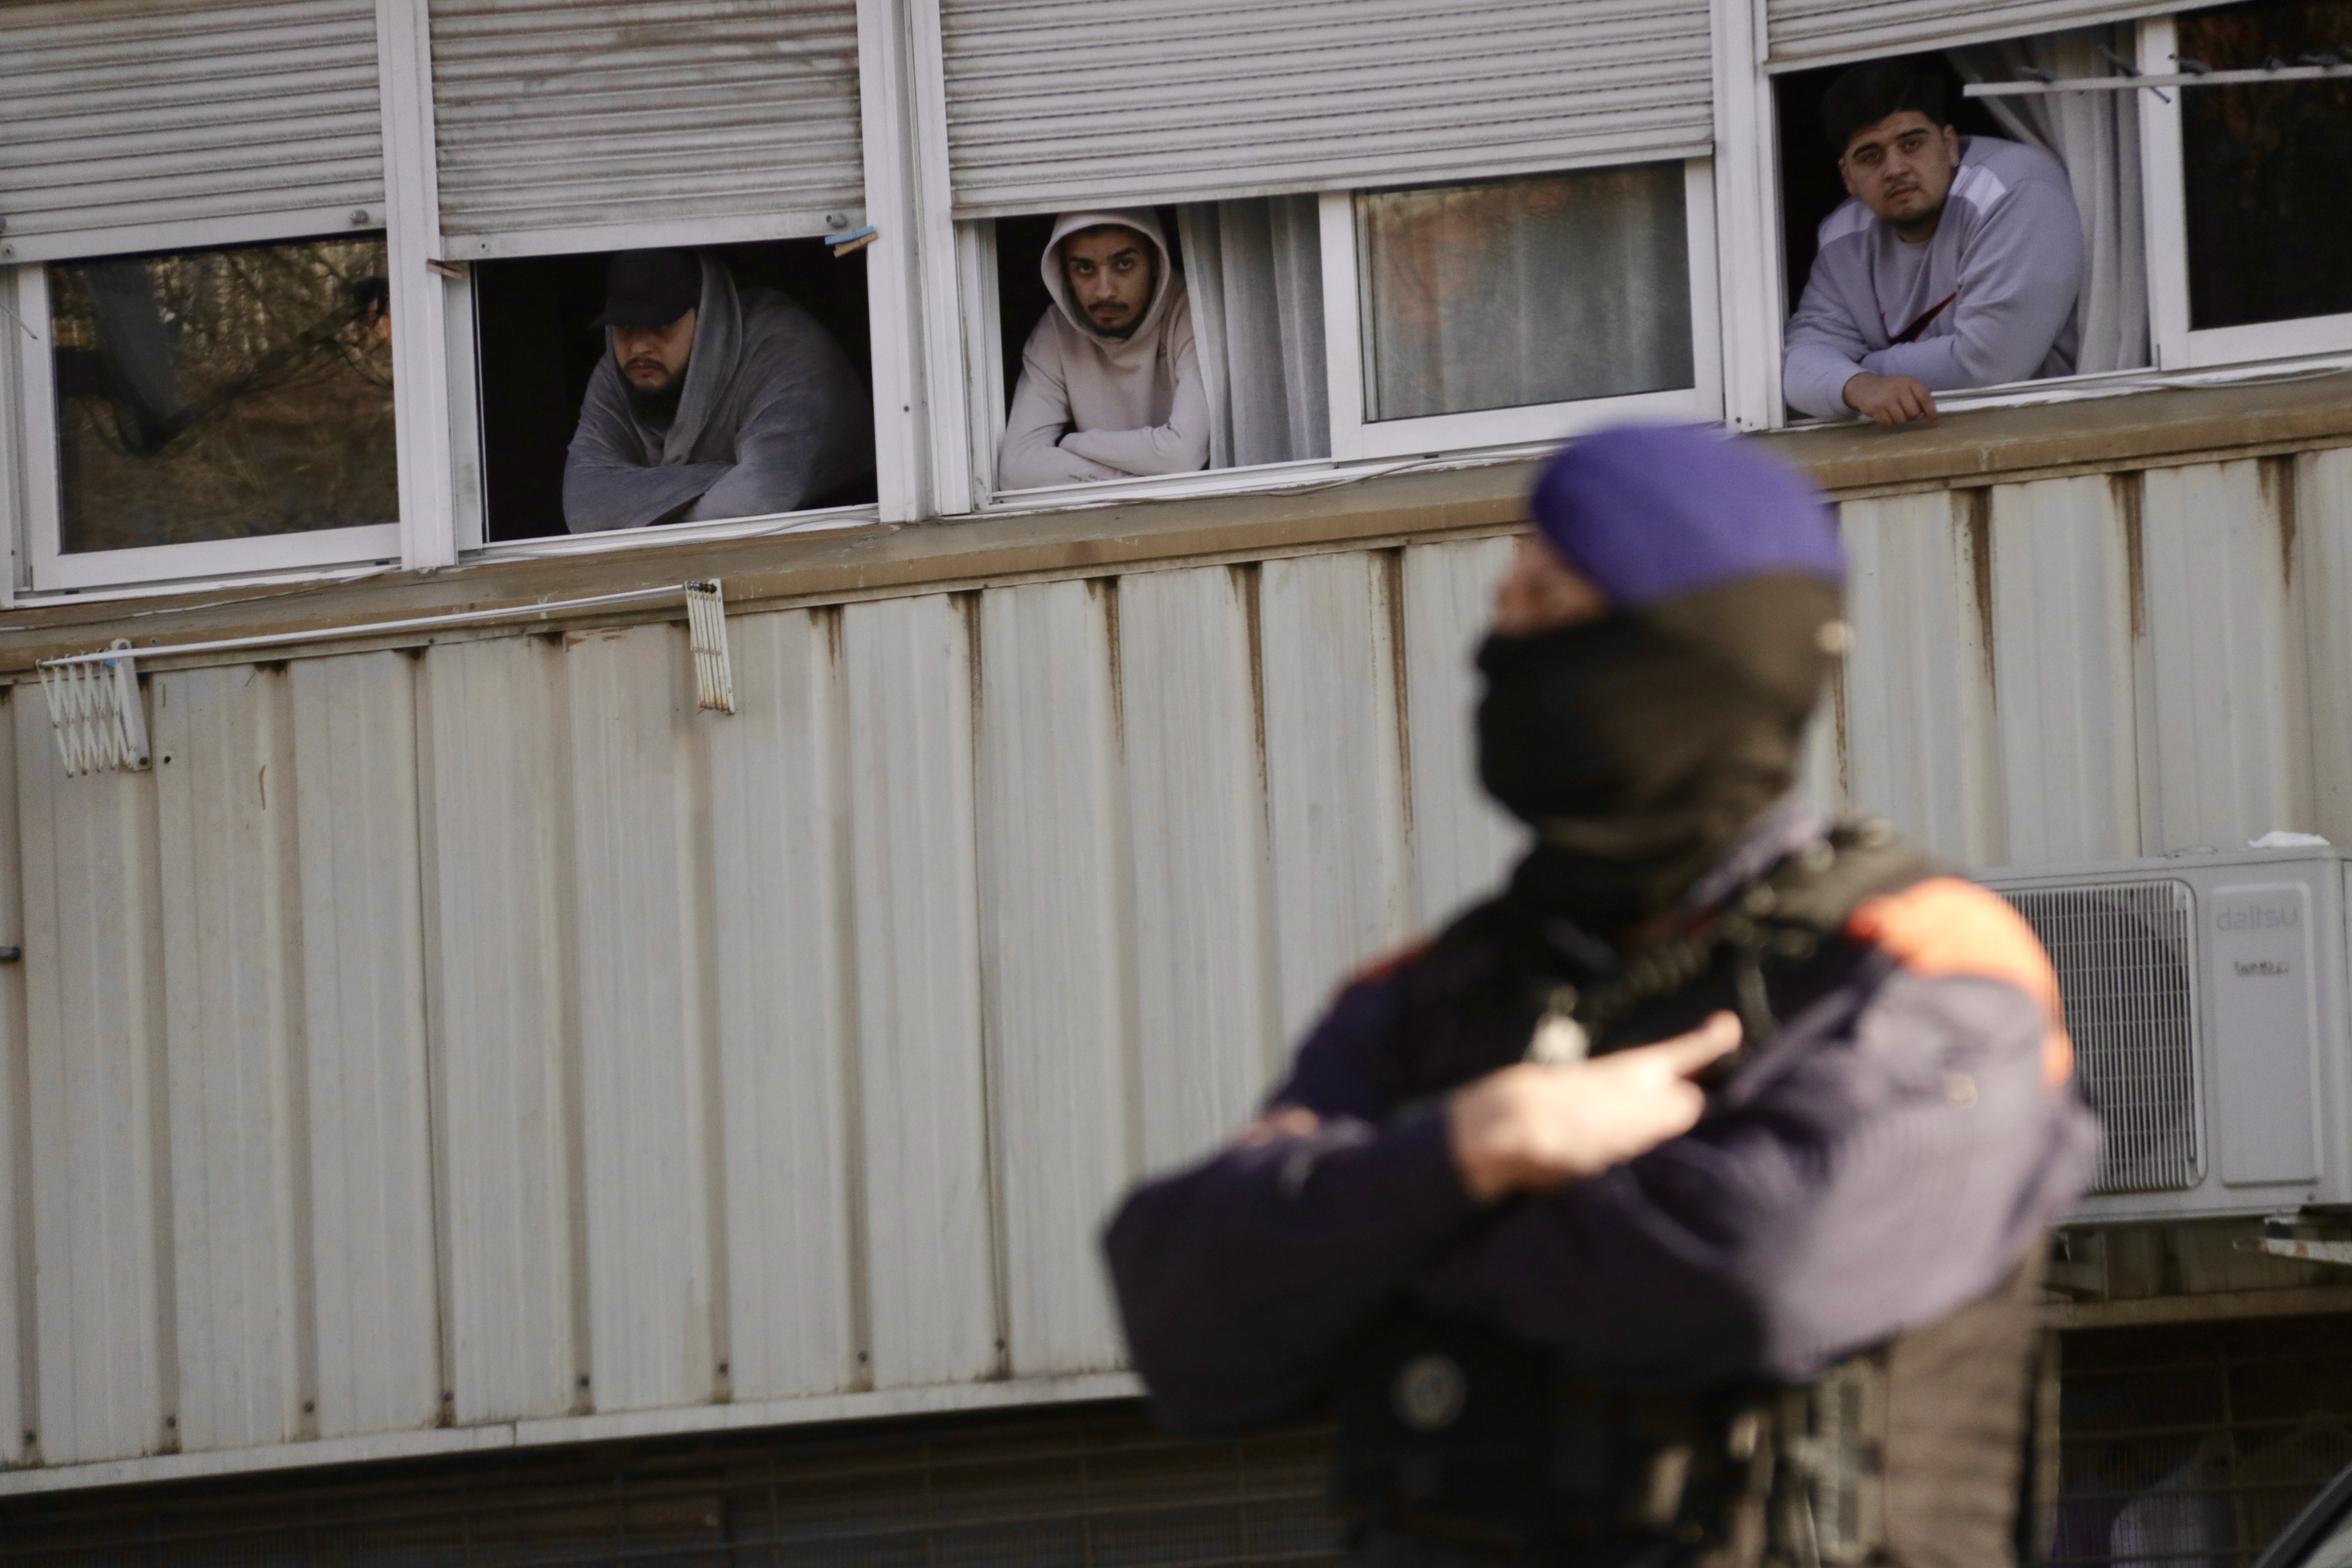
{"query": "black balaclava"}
[(1639, 745)]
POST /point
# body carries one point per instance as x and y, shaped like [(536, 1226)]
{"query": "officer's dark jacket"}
[(1887, 1157)]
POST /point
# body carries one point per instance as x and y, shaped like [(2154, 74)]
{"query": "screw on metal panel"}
[(836, 221), (448, 1396), (170, 1420), (309, 1407), (583, 1380), (722, 1369), (31, 1439), (359, 215), (861, 1355)]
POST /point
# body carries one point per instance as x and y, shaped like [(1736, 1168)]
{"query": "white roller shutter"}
[(143, 124), (577, 127), (1825, 32), (1058, 103)]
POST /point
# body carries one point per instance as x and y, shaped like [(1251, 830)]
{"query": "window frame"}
[(2164, 206), (45, 567), (1485, 434), (1355, 438)]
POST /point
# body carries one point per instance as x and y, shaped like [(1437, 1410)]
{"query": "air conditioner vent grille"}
[(2126, 971)]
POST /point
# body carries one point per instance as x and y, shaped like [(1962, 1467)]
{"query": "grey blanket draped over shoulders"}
[(773, 418)]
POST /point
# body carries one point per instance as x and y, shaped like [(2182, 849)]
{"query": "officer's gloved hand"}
[(1530, 1128)]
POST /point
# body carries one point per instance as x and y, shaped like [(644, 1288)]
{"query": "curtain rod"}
[(2133, 83)]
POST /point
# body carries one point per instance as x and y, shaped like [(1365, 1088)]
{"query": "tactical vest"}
[(1473, 1446)]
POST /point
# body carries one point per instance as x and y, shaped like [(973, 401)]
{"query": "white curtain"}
[(1254, 269), (2096, 136)]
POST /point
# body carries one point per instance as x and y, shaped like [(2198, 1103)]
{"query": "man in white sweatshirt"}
[(1956, 263), (1111, 382)]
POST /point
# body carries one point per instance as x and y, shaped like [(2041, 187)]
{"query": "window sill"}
[(1341, 507)]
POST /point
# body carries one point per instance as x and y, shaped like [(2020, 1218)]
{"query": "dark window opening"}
[(1810, 188), (2267, 170), (536, 351), (217, 395)]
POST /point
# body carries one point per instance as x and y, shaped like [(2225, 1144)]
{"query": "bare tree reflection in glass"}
[(224, 394)]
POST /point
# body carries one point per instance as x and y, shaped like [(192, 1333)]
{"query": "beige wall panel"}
[(2224, 744), (1343, 872), (1919, 735), (499, 900), (780, 818), (1463, 843), (2323, 597), (364, 1005), (930, 1244), (18, 1345), (1207, 1041), (224, 748), (648, 976), (2062, 671), (1057, 940), (94, 1006)]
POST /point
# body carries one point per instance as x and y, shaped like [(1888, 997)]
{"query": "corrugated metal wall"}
[(481, 1033)]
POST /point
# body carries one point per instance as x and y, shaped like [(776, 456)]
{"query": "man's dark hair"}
[(1875, 89)]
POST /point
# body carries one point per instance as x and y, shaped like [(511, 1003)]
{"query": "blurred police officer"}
[(1578, 1286)]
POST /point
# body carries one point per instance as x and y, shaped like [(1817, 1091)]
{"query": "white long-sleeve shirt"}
[(2008, 254)]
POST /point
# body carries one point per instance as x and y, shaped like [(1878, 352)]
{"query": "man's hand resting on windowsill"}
[(1890, 400)]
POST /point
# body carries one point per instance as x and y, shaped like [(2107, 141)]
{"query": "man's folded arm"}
[(1029, 455), (1179, 447), (1242, 1281), (607, 485), (1864, 1189), (2018, 279), (1824, 352)]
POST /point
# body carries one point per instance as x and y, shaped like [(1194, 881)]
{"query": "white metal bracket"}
[(705, 635), (95, 713)]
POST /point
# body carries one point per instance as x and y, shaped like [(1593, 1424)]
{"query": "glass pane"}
[(2268, 170), (224, 394), (1523, 292)]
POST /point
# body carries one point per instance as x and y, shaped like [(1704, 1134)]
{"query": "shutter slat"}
[(122, 119), (1825, 32), (553, 117), (1063, 103)]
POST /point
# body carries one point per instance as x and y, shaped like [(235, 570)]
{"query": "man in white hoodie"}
[(1111, 382)]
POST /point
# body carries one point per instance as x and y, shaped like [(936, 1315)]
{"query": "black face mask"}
[(1640, 745)]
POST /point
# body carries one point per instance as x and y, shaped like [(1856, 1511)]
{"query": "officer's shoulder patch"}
[(1944, 926)]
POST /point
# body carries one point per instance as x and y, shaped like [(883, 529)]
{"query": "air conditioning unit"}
[(2205, 993)]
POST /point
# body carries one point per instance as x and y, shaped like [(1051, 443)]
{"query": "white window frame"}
[(49, 568), (2164, 198), (1355, 438), (1495, 434)]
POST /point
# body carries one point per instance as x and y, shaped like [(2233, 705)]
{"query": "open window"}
[(537, 353), (1387, 322)]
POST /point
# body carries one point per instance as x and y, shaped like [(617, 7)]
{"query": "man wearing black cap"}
[(1567, 1308), (711, 404)]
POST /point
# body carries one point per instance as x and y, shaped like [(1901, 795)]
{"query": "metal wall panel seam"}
[(2322, 587), (1918, 688), (116, 120), (19, 1346), (503, 1101), (929, 1243), (645, 1049), (234, 1046), (785, 1003), (2229, 757), (103, 1228), (2065, 716), (1057, 934), (360, 852), (1342, 873), (1463, 843), (1207, 1012)]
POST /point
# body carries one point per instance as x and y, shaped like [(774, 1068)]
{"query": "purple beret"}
[(1652, 513)]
